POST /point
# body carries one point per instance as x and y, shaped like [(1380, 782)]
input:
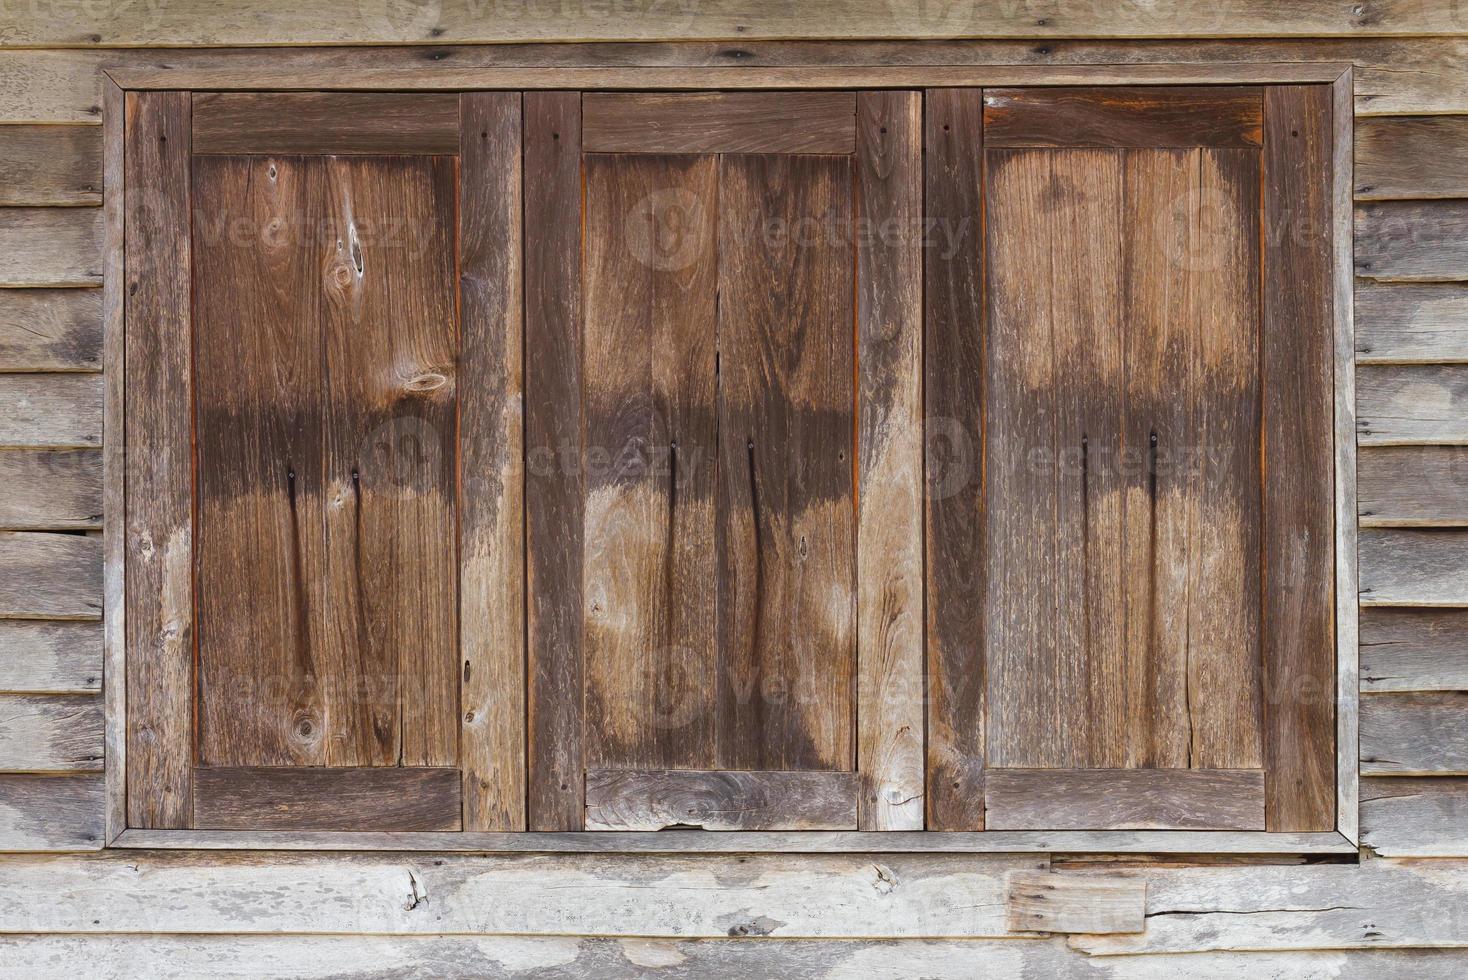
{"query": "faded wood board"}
[(50, 247), (1412, 817), (50, 410), (1411, 322), (50, 813), (1421, 157), (50, 658), (316, 798), (1412, 241), (114, 466), (1122, 116), (891, 717), (1402, 567), (1414, 650), (1412, 404), (491, 482), (50, 576), (50, 165), (720, 122), (51, 489), (1414, 734), (1124, 799), (1413, 486), (708, 897), (325, 122), (50, 329), (659, 800), (50, 733), (1039, 901)]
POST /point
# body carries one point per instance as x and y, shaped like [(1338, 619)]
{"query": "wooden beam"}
[(1041, 901), (314, 798), (384, 123), (719, 122), (1124, 799), (659, 800), (1121, 116)]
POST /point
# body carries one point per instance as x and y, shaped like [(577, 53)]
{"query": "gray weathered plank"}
[(719, 122), (1414, 650), (38, 657), (50, 733), (50, 410), (50, 576), (1414, 734), (50, 329), (1411, 322), (1040, 901), (1412, 241), (50, 813), (772, 800), (1125, 799), (50, 246), (1415, 817), (50, 489), (1413, 486), (50, 165), (1415, 404), (1401, 567), (1422, 157)]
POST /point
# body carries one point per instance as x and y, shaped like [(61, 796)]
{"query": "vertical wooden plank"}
[(490, 448), (258, 562), (1298, 631), (953, 390), (889, 535), (160, 635), (553, 445), (786, 521), (390, 344), (651, 448), (114, 461)]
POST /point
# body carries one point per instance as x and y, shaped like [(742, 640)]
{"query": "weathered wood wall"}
[(223, 914)]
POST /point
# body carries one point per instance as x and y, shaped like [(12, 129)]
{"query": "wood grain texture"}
[(491, 476), (554, 484), (1413, 486), (1414, 650), (1297, 546), (1412, 241), (1040, 901), (660, 800), (889, 532), (1411, 158), (114, 461), (50, 576), (50, 658), (1412, 404), (50, 247), (325, 122), (1405, 567), (1124, 799), (787, 599), (160, 612), (357, 799), (51, 489), (1414, 817), (649, 404), (1414, 734), (50, 813), (1411, 323), (953, 393), (50, 165), (1121, 116), (720, 122), (50, 329), (50, 410), (50, 733)]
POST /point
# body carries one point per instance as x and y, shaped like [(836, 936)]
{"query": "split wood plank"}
[(1123, 117), (1040, 901), (720, 122), (1414, 650), (50, 165), (890, 709), (490, 450), (1125, 799), (160, 614), (650, 408), (50, 329), (1413, 486), (50, 658), (1415, 817), (51, 489), (1411, 322), (50, 576), (786, 532), (1412, 241), (50, 247), (50, 411), (1412, 404), (1407, 567), (359, 799), (50, 813), (1411, 158), (554, 484), (325, 122), (1414, 734), (1297, 553), (50, 733), (659, 800)]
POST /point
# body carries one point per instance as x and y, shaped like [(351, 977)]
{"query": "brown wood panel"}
[(953, 392), (1125, 799), (719, 122), (1414, 650), (1297, 550), (649, 404), (259, 563), (1414, 734), (51, 165), (50, 576), (889, 533), (160, 617), (360, 799), (1413, 486), (770, 800), (1123, 116), (1411, 157), (786, 421), (51, 329), (51, 489), (326, 122), (491, 475), (553, 448), (51, 247), (1407, 241), (390, 345), (50, 411)]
